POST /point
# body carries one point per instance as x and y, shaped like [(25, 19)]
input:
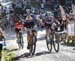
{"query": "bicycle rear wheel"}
[(33, 45), (49, 42)]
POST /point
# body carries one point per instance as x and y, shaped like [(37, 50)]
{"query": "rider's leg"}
[(0, 51), (28, 38), (34, 34), (17, 31), (47, 30), (17, 35)]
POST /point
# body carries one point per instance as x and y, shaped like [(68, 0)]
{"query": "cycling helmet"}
[(27, 11), (49, 13)]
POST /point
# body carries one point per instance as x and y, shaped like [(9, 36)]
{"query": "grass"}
[(8, 56)]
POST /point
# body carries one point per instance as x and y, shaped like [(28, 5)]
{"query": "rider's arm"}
[(52, 20), (34, 18), (68, 21), (57, 21)]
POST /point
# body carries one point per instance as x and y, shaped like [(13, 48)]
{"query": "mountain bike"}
[(51, 40), (33, 42)]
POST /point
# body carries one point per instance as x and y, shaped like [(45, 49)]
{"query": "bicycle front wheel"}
[(49, 42), (20, 41), (33, 45), (56, 45)]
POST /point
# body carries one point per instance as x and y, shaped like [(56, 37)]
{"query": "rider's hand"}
[(41, 23), (58, 23), (54, 24)]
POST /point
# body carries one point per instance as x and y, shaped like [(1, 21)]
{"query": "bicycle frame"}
[(31, 36), (49, 31), (31, 31)]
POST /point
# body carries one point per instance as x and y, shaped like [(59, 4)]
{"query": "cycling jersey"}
[(29, 18), (49, 20), (29, 21), (19, 26)]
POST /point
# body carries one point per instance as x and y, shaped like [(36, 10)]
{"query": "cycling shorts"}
[(29, 24), (48, 25), (17, 30)]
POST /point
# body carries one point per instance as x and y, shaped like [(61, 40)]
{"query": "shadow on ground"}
[(73, 48), (68, 44), (26, 55), (12, 50)]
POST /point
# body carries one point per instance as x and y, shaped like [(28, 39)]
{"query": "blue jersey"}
[(30, 17)]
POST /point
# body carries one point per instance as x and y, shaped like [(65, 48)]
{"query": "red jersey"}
[(19, 26)]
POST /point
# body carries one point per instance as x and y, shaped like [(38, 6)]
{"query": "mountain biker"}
[(50, 22), (1, 43), (29, 23), (60, 25), (18, 26)]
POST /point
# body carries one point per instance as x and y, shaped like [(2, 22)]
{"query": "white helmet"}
[(49, 13), (28, 10)]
